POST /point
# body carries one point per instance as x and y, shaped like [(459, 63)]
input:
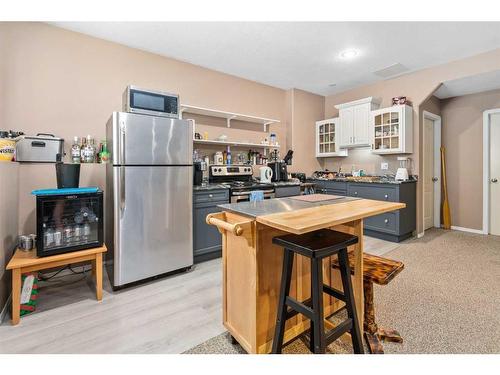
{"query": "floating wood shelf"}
[(227, 115), (233, 143)]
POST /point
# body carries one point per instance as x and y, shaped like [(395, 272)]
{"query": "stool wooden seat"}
[(316, 246), (380, 271)]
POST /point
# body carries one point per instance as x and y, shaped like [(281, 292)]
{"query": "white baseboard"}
[(469, 230), (5, 309), (420, 235)]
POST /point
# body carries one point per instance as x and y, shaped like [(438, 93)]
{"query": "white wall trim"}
[(437, 167), (5, 308), (486, 168), (469, 230)]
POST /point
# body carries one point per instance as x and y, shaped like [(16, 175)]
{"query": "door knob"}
[(494, 180), (434, 179)]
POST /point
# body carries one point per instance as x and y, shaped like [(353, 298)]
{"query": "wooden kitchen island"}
[(252, 264)]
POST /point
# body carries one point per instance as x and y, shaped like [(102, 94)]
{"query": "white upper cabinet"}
[(392, 130), (327, 138), (355, 123)]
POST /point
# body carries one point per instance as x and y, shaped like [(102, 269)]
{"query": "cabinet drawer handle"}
[(355, 193), (386, 221), (210, 195), (386, 196)]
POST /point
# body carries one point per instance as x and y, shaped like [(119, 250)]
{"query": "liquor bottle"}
[(104, 152), (75, 151), (83, 146), (89, 152)]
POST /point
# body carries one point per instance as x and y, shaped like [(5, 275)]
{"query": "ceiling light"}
[(349, 54)]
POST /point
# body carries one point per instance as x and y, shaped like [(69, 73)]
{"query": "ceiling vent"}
[(391, 70)]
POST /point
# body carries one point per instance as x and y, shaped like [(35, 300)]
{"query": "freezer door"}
[(149, 140), (152, 221)]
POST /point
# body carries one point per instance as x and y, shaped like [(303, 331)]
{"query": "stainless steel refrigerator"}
[(149, 196)]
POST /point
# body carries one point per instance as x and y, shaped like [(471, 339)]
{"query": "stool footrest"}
[(299, 307), (334, 292), (338, 331)]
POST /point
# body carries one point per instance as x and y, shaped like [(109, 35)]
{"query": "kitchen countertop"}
[(278, 205), (363, 181), (209, 187)]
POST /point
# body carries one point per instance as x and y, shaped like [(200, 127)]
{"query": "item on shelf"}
[(197, 136), (222, 138), (224, 157), (29, 293), (7, 146), (199, 169), (218, 158), (272, 139), (275, 155), (43, 148), (76, 155), (402, 172), (67, 175), (205, 136), (265, 141), (89, 150), (104, 154), (228, 155)]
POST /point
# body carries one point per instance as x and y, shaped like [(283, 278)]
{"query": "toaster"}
[(42, 148)]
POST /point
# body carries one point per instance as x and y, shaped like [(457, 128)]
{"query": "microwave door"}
[(151, 140)]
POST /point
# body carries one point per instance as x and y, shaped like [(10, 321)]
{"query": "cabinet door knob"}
[(386, 196), (386, 221), (434, 179), (494, 180), (210, 195), (355, 193)]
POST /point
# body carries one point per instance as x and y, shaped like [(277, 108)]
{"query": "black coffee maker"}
[(200, 168), (279, 168)]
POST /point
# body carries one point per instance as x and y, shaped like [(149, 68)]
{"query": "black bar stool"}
[(316, 246)]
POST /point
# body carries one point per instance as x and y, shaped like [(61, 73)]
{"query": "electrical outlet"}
[(384, 166)]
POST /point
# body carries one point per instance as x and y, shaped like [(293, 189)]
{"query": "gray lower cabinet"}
[(207, 241), (286, 191), (392, 226)]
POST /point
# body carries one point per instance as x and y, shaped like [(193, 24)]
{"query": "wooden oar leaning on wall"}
[(446, 204)]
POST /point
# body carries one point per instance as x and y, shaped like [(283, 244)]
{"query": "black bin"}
[(68, 175)]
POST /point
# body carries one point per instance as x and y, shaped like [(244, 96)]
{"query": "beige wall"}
[(67, 83), (9, 183), (462, 133), (306, 109), (417, 87)]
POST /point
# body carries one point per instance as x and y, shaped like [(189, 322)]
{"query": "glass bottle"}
[(83, 146), (104, 152), (75, 151), (89, 152)]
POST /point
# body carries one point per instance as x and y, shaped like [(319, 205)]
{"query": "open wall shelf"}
[(185, 108)]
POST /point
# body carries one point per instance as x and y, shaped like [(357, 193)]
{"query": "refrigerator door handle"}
[(122, 142), (122, 190)]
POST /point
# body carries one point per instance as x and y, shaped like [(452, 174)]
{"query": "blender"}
[(402, 172)]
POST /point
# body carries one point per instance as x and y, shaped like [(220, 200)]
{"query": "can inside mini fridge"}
[(69, 222)]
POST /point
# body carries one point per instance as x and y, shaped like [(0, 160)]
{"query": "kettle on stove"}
[(266, 174)]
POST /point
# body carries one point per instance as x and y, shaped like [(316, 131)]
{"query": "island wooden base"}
[(251, 280)]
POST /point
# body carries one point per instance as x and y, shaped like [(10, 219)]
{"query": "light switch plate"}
[(384, 166)]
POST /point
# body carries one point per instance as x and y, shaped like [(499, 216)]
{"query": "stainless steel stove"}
[(239, 179)]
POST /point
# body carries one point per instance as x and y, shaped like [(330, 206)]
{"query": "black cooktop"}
[(247, 185)]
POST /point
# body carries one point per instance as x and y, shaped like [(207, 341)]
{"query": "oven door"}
[(244, 196)]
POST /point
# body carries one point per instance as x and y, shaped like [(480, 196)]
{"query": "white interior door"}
[(495, 174), (429, 173)]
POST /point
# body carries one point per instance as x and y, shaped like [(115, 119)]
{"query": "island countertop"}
[(298, 217)]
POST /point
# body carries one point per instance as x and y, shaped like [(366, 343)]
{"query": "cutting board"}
[(316, 197)]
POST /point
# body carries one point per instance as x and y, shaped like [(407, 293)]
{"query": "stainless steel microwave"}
[(150, 102)]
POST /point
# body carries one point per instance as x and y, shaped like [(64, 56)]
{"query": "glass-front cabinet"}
[(392, 130), (327, 138)]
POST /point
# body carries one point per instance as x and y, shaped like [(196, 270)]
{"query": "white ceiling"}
[(302, 55), (469, 85)]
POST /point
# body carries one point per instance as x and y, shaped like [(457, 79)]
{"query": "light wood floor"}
[(168, 315)]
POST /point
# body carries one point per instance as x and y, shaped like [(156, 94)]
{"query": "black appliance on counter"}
[(279, 168), (68, 222), (200, 168), (239, 180)]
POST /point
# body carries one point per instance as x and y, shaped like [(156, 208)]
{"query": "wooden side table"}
[(27, 261)]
